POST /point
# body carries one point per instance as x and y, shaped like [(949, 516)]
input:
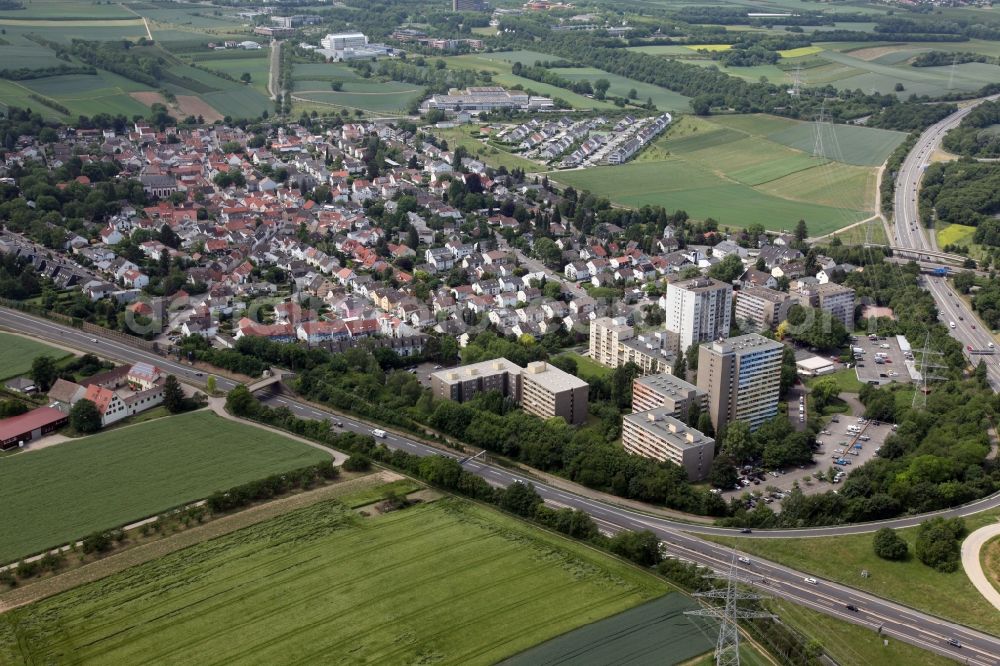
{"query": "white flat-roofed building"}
[(344, 40), (658, 435), (461, 384), (486, 98), (666, 391)]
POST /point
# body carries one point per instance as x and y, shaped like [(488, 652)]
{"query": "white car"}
[(744, 560), (811, 581)]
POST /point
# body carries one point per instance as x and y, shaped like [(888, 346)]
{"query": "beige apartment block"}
[(658, 435), (666, 391)]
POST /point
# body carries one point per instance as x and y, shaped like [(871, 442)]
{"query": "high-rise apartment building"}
[(761, 308), (742, 377), (698, 309), (606, 334), (658, 435)]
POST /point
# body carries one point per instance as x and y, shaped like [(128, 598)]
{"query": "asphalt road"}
[(911, 233), (897, 621)]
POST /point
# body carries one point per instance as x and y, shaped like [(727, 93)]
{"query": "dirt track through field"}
[(146, 552)]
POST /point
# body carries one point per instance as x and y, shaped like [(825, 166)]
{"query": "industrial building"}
[(657, 434), (488, 98), (742, 377)]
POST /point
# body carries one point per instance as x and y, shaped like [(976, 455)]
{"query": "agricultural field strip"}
[(305, 572)]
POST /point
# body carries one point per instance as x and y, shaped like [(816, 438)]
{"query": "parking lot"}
[(771, 486), (892, 369)]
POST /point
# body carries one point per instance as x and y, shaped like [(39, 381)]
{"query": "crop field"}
[(730, 168), (799, 52), (17, 353), (665, 100), (68, 9), (655, 632), (851, 144), (67, 491), (443, 582), (256, 65)]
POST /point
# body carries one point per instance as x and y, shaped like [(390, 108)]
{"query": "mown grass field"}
[(17, 353), (67, 491), (955, 234), (846, 379), (732, 169), (586, 367), (841, 559), (445, 582)]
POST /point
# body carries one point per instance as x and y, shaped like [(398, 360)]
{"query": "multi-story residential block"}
[(760, 307), (656, 434), (698, 309), (547, 391), (831, 297), (606, 334), (540, 389), (742, 377), (668, 392), (461, 384)]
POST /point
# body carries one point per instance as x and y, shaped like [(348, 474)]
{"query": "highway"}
[(911, 233), (680, 540)]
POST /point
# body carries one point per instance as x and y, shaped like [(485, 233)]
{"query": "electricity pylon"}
[(727, 647)]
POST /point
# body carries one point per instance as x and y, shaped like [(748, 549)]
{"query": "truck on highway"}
[(941, 271)]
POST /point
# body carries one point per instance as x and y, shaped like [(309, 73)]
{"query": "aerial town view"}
[(474, 332)]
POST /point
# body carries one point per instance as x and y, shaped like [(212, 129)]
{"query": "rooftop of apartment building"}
[(473, 370), (617, 324), (765, 293), (665, 383), (552, 378), (660, 423), (745, 343), (699, 284)]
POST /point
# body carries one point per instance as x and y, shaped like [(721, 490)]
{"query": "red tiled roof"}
[(36, 418)]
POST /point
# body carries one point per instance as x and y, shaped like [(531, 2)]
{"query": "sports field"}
[(746, 169), (67, 491), (445, 582), (17, 353)]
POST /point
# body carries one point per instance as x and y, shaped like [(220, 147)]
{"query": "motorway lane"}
[(911, 233), (899, 621)]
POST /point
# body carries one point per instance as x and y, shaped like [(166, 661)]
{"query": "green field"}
[(445, 582), (254, 63), (665, 100), (67, 491), (495, 157), (841, 559), (955, 234), (586, 367), (17, 353), (656, 632), (745, 169), (850, 644), (846, 379)]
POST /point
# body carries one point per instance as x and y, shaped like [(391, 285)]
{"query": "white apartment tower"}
[(698, 310)]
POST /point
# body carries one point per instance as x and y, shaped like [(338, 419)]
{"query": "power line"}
[(727, 647), (926, 370)]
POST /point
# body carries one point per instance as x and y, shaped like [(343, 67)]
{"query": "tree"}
[(210, 385), (801, 231), (824, 391), (520, 498), (722, 474), (727, 270), (938, 543), (43, 372), (601, 88), (245, 77), (640, 547), (173, 395), (84, 416), (680, 367), (739, 443), (692, 357), (633, 93), (890, 546)]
